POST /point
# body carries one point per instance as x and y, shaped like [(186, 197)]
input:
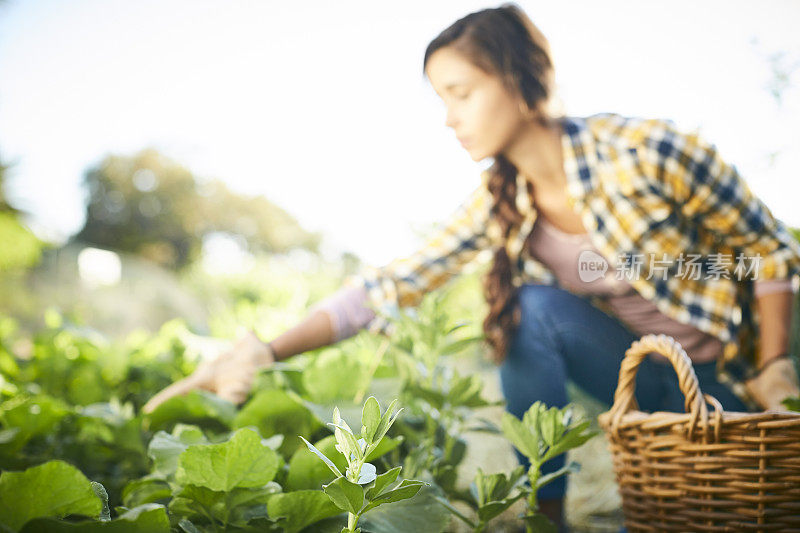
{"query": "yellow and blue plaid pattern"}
[(642, 187)]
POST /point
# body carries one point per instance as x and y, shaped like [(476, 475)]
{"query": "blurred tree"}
[(19, 248), (150, 205)]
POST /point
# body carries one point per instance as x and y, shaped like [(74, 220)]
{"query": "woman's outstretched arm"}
[(401, 283), (314, 331), (231, 374)]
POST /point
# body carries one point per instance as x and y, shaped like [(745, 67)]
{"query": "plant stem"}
[(534, 472), (352, 521)]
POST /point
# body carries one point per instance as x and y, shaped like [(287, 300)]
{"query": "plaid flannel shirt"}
[(643, 188)]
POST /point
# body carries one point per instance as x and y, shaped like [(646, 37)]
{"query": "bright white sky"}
[(322, 107)]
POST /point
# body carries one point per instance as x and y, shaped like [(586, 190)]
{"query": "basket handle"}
[(624, 399)]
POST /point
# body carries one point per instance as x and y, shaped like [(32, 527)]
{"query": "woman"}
[(603, 229)]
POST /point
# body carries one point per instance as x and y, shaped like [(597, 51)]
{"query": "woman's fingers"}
[(229, 375), (775, 383), (178, 388), (235, 392)]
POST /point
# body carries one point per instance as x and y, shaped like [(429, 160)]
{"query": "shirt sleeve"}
[(404, 281), (711, 193), (347, 311), (771, 286)]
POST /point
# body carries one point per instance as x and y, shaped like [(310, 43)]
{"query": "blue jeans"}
[(562, 336)]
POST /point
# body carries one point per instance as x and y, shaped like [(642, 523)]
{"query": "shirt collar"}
[(580, 164), (580, 167), (580, 157)]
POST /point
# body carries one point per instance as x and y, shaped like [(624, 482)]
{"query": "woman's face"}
[(483, 114)]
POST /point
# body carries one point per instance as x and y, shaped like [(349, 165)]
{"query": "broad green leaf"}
[(519, 435), (274, 412), (164, 449), (574, 438), (539, 523), (370, 418), (190, 509), (334, 375), (306, 471), (238, 505), (445, 476), (347, 444), (198, 407), (322, 456), (382, 481), (187, 526), (549, 423), (495, 508), (145, 490), (420, 514), (345, 494), (407, 489), (31, 416), (301, 508), (504, 485), (436, 398), (386, 422), (481, 486), (385, 445), (337, 420), (239, 497), (333, 524), (249, 518), (148, 518), (242, 461), (53, 489), (466, 392), (204, 496), (531, 422)]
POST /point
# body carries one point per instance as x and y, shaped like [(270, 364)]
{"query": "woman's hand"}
[(230, 375), (776, 381)]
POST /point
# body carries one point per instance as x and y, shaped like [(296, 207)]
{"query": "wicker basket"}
[(703, 470)]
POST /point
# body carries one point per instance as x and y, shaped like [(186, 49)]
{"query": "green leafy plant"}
[(544, 433), (227, 484), (441, 403), (490, 495), (444, 405), (360, 489), (425, 334)]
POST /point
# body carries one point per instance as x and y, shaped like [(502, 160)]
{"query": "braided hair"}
[(504, 42)]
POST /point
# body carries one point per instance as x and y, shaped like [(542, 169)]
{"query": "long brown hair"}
[(504, 42)]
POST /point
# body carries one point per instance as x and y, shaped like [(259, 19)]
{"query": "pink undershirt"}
[(559, 251)]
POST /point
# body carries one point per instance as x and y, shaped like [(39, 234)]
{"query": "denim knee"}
[(540, 301)]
